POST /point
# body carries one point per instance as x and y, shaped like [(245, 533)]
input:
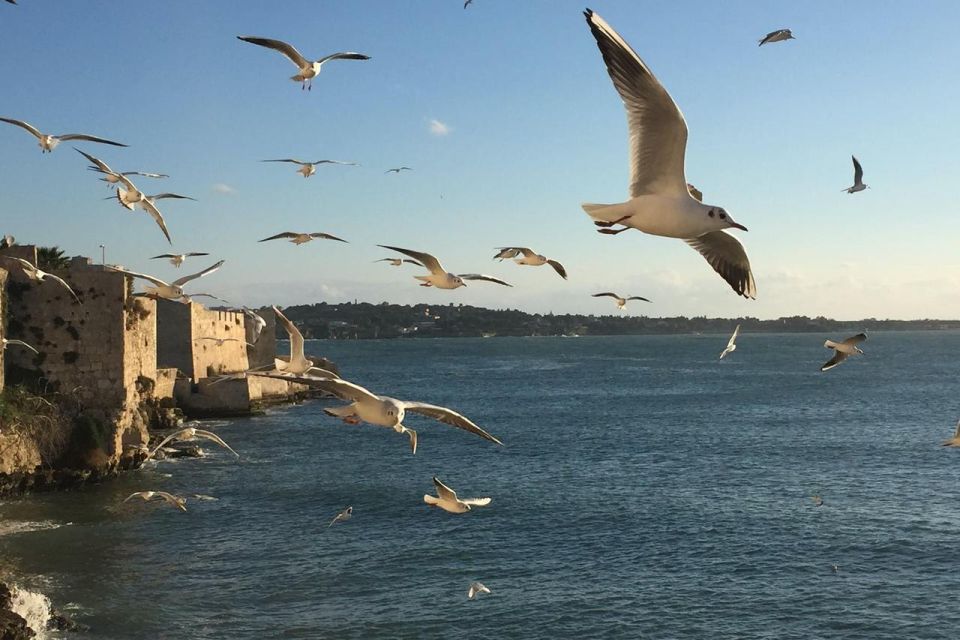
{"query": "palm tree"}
[(51, 258)]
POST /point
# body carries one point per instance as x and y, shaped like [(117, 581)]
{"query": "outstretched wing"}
[(151, 208), (733, 338), (443, 491), (838, 357), (209, 435), (161, 196), (638, 298), (486, 278), (478, 502), (179, 282), (605, 295), (449, 416), (83, 136), (64, 284), (326, 236), (285, 234), (857, 171), (558, 268), (728, 258), (339, 387), (857, 339), (278, 45), (97, 163), (344, 55), (427, 260), (23, 125), (21, 343), (134, 274)]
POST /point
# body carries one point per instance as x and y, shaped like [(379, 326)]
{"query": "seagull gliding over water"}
[(660, 203), (955, 440), (173, 290), (192, 433), (297, 364), (153, 496), (343, 516), (842, 350), (530, 258), (447, 500), (440, 277), (476, 588), (620, 302), (732, 344)]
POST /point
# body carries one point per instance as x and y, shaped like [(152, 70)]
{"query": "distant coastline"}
[(363, 320)]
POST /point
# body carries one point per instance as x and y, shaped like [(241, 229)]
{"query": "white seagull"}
[(660, 203), (110, 176), (440, 277), (152, 496), (49, 142), (309, 69), (222, 341), (843, 350), (732, 344), (396, 262), (388, 412), (21, 343), (302, 238), (172, 290), (776, 36), (259, 324), (177, 259), (955, 440), (620, 302), (297, 364), (447, 499), (341, 516), (857, 178), (476, 588), (398, 170), (39, 275), (192, 433), (529, 257), (307, 169)]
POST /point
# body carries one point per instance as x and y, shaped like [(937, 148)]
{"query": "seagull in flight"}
[(308, 69), (342, 516), (5, 342), (384, 411), (307, 169), (110, 176), (440, 277), (153, 496), (955, 440), (447, 500), (177, 259), (259, 324), (39, 275), (172, 290), (192, 433), (398, 170), (776, 36), (660, 203), (817, 501), (302, 238), (732, 343), (529, 257), (620, 302), (222, 341), (297, 364), (49, 142), (476, 588), (842, 350), (396, 262), (857, 178)]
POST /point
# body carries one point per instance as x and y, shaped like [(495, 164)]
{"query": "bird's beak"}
[(738, 226)]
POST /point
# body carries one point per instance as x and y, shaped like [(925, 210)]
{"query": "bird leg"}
[(604, 223), (351, 419), (612, 232)]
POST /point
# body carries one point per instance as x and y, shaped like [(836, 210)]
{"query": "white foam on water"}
[(33, 607), (10, 527)]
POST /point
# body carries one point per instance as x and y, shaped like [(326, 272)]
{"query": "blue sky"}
[(534, 129)]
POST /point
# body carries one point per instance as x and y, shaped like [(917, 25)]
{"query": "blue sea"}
[(645, 490)]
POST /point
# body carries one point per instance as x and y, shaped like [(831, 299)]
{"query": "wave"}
[(33, 607), (13, 527)]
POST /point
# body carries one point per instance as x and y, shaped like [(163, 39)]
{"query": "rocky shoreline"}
[(15, 627)]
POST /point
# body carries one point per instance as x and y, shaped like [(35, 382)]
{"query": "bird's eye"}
[(710, 213), (723, 216)]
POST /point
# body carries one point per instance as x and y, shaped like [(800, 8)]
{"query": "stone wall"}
[(3, 320), (101, 353), (183, 332)]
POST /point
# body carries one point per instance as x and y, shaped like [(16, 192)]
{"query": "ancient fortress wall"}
[(3, 323), (183, 333)]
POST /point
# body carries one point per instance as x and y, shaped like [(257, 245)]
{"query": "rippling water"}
[(645, 490)]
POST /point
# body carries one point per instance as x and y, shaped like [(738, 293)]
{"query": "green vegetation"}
[(51, 259), (365, 320)]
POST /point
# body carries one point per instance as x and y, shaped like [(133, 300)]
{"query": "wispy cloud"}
[(438, 128), (225, 189)]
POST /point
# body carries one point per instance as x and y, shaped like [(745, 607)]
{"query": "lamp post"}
[(103, 254)]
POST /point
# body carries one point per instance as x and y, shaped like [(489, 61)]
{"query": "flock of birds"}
[(662, 203)]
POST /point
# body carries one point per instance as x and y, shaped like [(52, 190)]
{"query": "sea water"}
[(645, 490)]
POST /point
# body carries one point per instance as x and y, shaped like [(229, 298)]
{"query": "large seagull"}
[(660, 203), (308, 69)]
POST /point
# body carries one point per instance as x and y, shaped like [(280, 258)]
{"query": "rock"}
[(13, 627), (60, 622)]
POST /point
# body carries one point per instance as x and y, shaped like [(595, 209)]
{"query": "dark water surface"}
[(645, 490)]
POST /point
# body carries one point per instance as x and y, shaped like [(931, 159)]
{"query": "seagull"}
[(110, 176), (302, 238), (387, 412), (38, 275), (621, 302), (465, 5), (308, 69), (396, 262), (955, 440), (173, 290), (843, 350), (222, 341), (7, 241), (307, 169), (297, 364), (341, 517), (660, 203), (439, 277), (49, 142), (530, 258), (857, 178), (476, 588), (817, 501), (259, 324), (398, 170), (5, 342), (776, 36), (732, 344), (192, 433), (151, 496), (177, 259), (447, 500)]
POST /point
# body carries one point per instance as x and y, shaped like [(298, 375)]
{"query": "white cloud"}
[(224, 189), (438, 128)]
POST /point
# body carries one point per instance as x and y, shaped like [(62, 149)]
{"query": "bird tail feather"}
[(606, 212), (433, 500)]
